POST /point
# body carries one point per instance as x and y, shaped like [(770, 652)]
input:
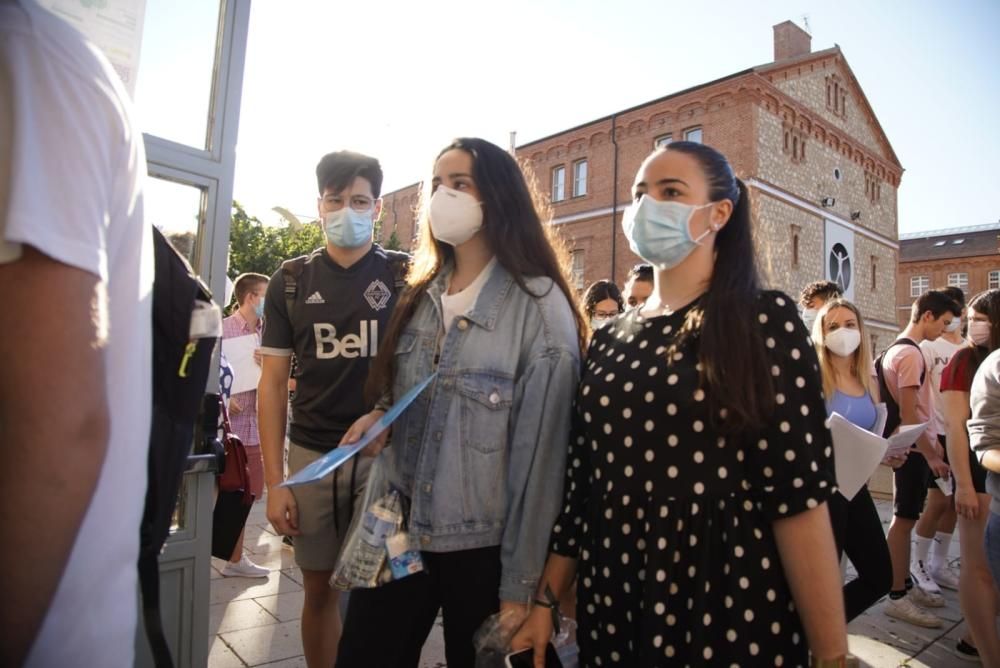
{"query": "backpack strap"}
[(399, 263), (291, 271)]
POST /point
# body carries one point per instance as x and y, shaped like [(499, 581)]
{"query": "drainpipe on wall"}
[(614, 200)]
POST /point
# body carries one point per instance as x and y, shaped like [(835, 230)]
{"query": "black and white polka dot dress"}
[(671, 522)]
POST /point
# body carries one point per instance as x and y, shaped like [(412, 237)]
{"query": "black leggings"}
[(387, 626), (858, 532)]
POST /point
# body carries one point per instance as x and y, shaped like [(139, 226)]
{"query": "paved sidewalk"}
[(255, 622)]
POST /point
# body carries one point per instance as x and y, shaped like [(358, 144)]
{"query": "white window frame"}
[(580, 182), (959, 279), (919, 285), (663, 140), (688, 134), (993, 279), (559, 183)]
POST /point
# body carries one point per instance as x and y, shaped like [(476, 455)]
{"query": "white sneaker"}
[(926, 598), (921, 578), (945, 577), (904, 609), (244, 568)]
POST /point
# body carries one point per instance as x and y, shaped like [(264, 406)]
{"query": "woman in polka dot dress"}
[(698, 472)]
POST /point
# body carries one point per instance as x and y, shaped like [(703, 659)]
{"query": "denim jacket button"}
[(438, 435), (495, 398), (463, 324), (425, 540), (427, 487)]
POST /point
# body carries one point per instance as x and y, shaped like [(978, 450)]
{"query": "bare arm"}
[(928, 448), (991, 460), (808, 555), (272, 416), (54, 430)]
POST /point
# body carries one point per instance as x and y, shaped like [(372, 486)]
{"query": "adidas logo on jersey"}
[(349, 346), (315, 298)]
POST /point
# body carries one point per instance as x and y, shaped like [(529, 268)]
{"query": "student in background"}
[(984, 439), (602, 302), (247, 320), (814, 296), (845, 363), (909, 386), (934, 529), (978, 599), (638, 285)]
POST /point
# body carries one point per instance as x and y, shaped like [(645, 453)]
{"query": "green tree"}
[(393, 242), (256, 247)]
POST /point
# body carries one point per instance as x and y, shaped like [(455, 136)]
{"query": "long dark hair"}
[(736, 378), (514, 232), (987, 303)]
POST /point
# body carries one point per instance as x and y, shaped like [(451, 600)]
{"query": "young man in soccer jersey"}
[(329, 309)]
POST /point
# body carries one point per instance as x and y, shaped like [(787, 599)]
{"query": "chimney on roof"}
[(790, 41)]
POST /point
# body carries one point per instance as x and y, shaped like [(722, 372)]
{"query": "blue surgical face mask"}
[(259, 308), (659, 232), (347, 228)]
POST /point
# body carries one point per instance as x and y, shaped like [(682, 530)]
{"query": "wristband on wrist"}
[(552, 603)]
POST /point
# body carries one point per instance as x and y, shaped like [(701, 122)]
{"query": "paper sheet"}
[(329, 462), (858, 452), (239, 353)]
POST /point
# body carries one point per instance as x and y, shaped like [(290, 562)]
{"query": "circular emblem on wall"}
[(840, 266)]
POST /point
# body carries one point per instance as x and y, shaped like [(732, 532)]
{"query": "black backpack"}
[(180, 375), (893, 419)]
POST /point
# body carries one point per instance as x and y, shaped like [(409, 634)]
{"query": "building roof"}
[(835, 51), (957, 242), (602, 119)]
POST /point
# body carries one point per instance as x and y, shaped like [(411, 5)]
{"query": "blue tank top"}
[(859, 411)]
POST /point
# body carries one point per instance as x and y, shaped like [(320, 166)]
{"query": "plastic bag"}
[(492, 639)]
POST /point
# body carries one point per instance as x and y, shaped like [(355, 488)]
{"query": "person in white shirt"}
[(76, 274), (937, 522)]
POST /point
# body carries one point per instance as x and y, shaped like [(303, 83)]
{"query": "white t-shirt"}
[(937, 353), (77, 166), (459, 303)]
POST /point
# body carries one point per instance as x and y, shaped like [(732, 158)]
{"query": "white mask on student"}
[(843, 342), (455, 216), (809, 317), (979, 332)]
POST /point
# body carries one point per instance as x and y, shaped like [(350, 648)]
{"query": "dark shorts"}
[(930, 479), (910, 488), (978, 473)]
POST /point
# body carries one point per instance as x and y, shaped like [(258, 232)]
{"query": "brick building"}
[(966, 257), (799, 131)]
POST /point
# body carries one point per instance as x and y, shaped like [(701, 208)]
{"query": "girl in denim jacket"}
[(480, 454)]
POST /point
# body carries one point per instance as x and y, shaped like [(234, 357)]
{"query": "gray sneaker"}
[(906, 610), (926, 598)]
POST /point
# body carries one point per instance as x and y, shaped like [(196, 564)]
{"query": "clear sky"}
[(399, 79)]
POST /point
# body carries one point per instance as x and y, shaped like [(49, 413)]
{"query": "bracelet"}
[(552, 603)]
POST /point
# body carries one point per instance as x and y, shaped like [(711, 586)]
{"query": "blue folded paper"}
[(326, 464)]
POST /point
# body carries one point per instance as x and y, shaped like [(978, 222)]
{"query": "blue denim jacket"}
[(482, 452)]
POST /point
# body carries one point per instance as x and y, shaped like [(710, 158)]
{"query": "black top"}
[(338, 316), (672, 520)]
